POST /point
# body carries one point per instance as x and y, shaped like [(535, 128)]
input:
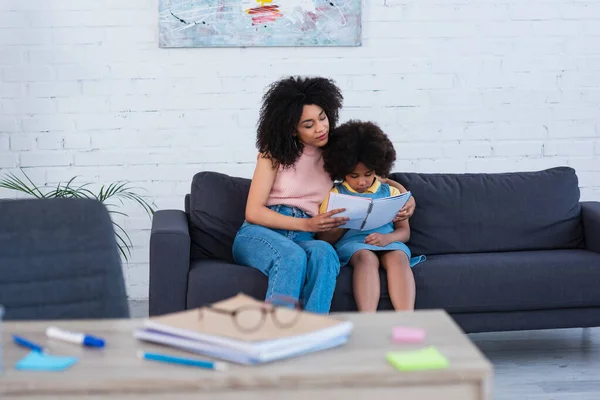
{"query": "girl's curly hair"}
[(281, 111), (357, 141)]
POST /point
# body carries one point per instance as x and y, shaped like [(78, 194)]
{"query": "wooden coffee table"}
[(357, 370)]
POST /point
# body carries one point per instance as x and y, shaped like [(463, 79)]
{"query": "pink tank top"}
[(303, 185)]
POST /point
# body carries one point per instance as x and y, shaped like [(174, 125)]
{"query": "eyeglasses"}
[(284, 311)]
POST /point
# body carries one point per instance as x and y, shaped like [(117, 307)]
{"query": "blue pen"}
[(219, 366), (28, 344)]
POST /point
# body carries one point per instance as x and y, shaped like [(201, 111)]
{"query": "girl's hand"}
[(325, 222), (407, 211), (378, 239)]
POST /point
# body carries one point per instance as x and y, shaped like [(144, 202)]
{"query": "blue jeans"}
[(296, 263)]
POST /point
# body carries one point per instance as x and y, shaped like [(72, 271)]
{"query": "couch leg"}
[(586, 336)]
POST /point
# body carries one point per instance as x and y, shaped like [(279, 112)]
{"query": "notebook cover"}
[(233, 355), (203, 321)]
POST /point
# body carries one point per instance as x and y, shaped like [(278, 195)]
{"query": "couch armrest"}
[(590, 214), (169, 261)]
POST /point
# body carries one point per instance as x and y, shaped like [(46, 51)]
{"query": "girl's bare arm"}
[(401, 232)]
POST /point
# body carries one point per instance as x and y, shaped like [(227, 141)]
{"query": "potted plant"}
[(112, 195)]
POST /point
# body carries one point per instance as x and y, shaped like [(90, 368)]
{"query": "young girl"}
[(289, 184), (357, 153)]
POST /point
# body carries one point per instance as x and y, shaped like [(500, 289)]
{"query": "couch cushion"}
[(217, 209), (343, 298), (528, 280), (210, 281), (479, 213), (519, 281)]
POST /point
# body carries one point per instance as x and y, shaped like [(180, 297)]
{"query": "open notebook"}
[(364, 213), (214, 334)]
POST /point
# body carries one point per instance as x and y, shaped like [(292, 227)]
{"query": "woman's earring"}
[(296, 142)]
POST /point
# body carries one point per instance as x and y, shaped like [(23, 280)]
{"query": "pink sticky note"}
[(402, 334)]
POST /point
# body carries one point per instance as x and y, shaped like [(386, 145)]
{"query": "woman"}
[(288, 185)]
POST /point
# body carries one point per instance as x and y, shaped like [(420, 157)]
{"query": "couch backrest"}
[(217, 210), (456, 213), (474, 213)]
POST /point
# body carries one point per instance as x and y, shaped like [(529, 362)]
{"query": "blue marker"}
[(28, 344), (219, 366), (73, 337)]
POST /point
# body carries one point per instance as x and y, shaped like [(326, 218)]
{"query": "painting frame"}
[(259, 23)]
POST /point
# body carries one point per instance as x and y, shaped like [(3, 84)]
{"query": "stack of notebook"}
[(215, 334)]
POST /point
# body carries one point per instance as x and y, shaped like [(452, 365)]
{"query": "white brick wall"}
[(461, 86)]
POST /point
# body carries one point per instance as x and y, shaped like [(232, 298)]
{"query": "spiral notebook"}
[(214, 334)]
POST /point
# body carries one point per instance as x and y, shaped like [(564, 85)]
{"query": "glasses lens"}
[(285, 316), (249, 318)]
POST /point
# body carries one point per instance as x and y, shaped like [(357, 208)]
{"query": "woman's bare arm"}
[(393, 183), (409, 207), (258, 213), (256, 210)]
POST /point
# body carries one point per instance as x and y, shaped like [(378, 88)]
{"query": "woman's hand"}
[(325, 222), (409, 208), (381, 179), (378, 239), (407, 211)]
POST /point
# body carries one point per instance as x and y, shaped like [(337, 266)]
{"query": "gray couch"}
[(506, 251)]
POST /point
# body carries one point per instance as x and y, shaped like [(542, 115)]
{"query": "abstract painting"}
[(245, 23)]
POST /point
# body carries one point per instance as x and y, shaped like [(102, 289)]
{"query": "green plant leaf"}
[(14, 183), (34, 186), (141, 201), (79, 192), (123, 241), (118, 213)]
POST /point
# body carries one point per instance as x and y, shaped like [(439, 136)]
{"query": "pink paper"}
[(402, 334)]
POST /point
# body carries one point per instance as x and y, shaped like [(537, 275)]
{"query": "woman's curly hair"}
[(358, 141), (281, 111)]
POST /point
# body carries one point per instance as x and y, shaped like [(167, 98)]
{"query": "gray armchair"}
[(59, 260)]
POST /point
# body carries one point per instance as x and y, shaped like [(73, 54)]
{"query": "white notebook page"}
[(384, 210), (356, 208)]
